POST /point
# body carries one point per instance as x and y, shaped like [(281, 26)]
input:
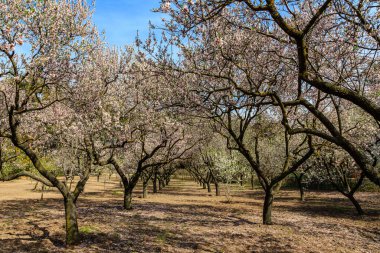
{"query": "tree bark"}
[(145, 189), (302, 192), (301, 187), (208, 187), (71, 215), (267, 209), (128, 189), (252, 182), (278, 186), (155, 183), (42, 191), (160, 186), (356, 204), (127, 199), (217, 189), (204, 185)]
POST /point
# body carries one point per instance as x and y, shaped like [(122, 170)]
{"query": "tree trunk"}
[(127, 199), (356, 204), (302, 192), (208, 187), (42, 191), (278, 186), (159, 184), (267, 209), (167, 181), (155, 183), (128, 188), (301, 187), (145, 189), (204, 185), (71, 215), (217, 189), (241, 180), (252, 182)]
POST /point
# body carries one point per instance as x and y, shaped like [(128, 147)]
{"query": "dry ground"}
[(185, 218)]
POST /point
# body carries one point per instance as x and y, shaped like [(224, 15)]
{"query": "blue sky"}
[(120, 19)]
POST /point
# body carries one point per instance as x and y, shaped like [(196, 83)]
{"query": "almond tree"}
[(36, 86), (247, 122), (298, 21), (145, 178), (131, 131), (215, 163), (149, 150), (331, 71), (341, 172), (300, 176), (200, 173)]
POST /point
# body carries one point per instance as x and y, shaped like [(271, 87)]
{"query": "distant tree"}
[(342, 173)]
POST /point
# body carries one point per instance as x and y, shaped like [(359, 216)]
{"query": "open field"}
[(186, 218)]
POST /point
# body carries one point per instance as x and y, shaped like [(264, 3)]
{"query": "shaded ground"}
[(185, 218)]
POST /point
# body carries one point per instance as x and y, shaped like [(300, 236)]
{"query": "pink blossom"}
[(165, 7)]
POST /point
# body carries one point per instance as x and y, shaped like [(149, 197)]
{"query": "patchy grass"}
[(162, 237), (117, 193), (85, 230), (185, 218)]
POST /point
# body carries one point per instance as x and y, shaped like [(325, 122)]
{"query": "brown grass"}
[(185, 218)]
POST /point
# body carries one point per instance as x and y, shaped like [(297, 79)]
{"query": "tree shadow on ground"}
[(37, 226), (319, 204), (330, 207), (129, 231)]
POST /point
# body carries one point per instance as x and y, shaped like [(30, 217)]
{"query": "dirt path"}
[(185, 218)]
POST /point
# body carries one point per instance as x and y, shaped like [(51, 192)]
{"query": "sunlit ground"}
[(186, 218)]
